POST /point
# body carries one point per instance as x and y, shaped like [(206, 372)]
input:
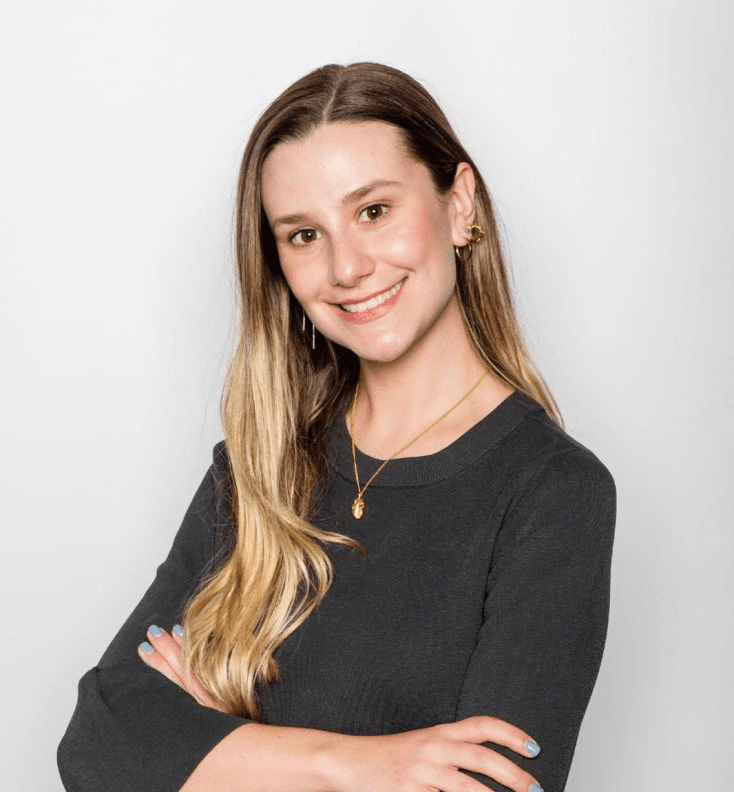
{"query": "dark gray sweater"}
[(487, 592)]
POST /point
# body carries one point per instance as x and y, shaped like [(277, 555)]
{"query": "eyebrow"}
[(350, 197)]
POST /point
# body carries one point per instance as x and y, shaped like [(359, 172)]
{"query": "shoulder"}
[(556, 477), (541, 451), (570, 478)]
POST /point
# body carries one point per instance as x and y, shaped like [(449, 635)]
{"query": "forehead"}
[(333, 160)]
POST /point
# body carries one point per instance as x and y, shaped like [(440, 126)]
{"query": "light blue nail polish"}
[(535, 788), (178, 629), (155, 631), (146, 647), (532, 747)]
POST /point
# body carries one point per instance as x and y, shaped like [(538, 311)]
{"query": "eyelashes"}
[(292, 237), (382, 207), (313, 234)]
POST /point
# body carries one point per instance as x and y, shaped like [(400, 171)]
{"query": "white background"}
[(604, 130)]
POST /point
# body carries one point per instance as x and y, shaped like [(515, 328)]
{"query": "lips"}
[(371, 301), (373, 308)]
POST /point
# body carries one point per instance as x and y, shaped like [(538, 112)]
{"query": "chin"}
[(387, 351)]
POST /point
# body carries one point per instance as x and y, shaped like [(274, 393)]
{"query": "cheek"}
[(418, 241), (408, 243), (297, 278)]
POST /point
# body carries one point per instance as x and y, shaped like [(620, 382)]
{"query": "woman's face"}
[(357, 221)]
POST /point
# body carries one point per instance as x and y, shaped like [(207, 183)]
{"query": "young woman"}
[(395, 575)]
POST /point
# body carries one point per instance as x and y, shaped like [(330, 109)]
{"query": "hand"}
[(167, 657), (426, 760)]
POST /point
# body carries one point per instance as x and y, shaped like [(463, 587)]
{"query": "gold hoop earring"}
[(463, 253)]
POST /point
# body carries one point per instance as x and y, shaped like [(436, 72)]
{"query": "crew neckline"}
[(429, 468)]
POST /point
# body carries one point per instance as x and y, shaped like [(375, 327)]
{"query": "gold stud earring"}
[(476, 234)]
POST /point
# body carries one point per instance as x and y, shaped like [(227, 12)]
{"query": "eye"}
[(374, 212), (307, 236)]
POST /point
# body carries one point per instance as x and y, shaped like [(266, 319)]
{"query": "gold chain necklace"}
[(358, 503)]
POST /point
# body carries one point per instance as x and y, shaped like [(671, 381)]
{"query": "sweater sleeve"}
[(133, 729), (546, 610)]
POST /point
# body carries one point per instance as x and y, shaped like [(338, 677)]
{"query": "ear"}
[(461, 203)]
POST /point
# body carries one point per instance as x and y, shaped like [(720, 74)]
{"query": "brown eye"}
[(374, 212), (305, 235)]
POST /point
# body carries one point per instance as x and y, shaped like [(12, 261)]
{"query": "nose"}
[(350, 261)]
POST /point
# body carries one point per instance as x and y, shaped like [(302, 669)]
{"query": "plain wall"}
[(604, 132)]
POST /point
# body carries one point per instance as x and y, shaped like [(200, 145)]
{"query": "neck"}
[(399, 399)]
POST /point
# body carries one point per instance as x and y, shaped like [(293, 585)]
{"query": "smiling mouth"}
[(374, 301)]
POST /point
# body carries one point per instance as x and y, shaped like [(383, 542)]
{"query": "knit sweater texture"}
[(486, 592)]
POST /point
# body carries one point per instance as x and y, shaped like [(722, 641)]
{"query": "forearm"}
[(262, 758)]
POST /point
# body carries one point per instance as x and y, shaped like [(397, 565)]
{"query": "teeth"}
[(364, 306)]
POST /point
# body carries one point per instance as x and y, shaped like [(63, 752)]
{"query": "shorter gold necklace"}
[(358, 503)]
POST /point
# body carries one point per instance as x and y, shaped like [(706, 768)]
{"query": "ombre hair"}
[(281, 397)]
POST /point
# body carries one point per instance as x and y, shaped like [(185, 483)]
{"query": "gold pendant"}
[(357, 508)]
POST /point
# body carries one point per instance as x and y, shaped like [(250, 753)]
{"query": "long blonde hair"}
[(281, 397)]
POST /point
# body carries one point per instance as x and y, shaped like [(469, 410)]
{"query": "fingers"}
[(485, 728), (149, 652), (449, 780), (177, 634), (481, 759), (484, 760), (166, 656), (197, 690)]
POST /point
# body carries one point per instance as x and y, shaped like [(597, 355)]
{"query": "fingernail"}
[(178, 629), (535, 788), (532, 748), (146, 647), (155, 631)]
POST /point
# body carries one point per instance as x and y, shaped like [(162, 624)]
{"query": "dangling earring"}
[(313, 331), (463, 253)]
